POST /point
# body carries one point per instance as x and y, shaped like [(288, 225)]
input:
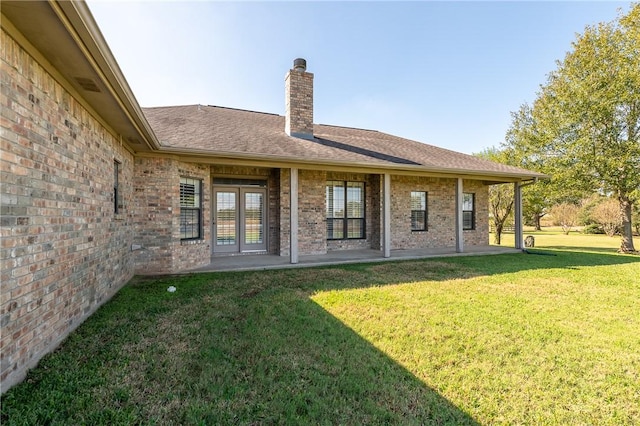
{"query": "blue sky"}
[(444, 73)]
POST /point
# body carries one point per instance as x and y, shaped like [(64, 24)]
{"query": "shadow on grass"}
[(225, 348), (446, 268), (603, 250), (557, 257), (248, 348)]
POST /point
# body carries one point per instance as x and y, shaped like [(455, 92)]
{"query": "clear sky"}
[(444, 73)]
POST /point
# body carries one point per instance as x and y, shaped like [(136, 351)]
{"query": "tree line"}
[(583, 130)]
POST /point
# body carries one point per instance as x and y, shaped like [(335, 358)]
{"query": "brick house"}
[(96, 189)]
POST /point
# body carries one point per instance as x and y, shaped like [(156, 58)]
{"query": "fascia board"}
[(78, 20), (275, 161)]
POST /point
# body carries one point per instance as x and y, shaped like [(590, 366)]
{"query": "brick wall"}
[(312, 228), (284, 194), (480, 235), (372, 212), (441, 212), (64, 252), (157, 216), (274, 211), (272, 176), (299, 103)]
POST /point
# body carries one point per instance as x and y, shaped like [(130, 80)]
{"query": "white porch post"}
[(519, 237), (293, 198), (459, 232), (386, 215)]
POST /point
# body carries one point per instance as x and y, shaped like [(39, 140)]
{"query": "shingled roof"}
[(228, 132)]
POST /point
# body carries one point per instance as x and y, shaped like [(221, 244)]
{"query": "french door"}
[(239, 220)]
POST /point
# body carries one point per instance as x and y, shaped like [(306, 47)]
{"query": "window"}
[(468, 211), (345, 210), (418, 211), (190, 209), (116, 187)]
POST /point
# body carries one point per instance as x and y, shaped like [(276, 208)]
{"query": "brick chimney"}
[(299, 101)]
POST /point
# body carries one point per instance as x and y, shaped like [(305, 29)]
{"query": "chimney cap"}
[(300, 65)]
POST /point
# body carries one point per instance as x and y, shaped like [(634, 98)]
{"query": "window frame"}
[(346, 219), (116, 187), (195, 208), (425, 211), (472, 212)]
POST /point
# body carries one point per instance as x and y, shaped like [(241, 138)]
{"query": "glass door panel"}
[(226, 221), (253, 214), (239, 222)]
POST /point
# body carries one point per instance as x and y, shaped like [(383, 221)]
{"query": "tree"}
[(535, 204), (501, 200), (537, 199), (585, 217), (585, 123), (501, 197), (565, 215), (635, 214), (607, 215)]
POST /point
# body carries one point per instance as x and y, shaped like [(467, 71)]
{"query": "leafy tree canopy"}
[(584, 126)]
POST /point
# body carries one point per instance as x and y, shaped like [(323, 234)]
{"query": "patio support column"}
[(519, 237), (386, 215), (459, 231), (293, 212)]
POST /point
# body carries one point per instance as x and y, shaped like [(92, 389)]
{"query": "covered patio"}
[(338, 257)]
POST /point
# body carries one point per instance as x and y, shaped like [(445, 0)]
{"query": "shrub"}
[(565, 215), (594, 228), (607, 214)]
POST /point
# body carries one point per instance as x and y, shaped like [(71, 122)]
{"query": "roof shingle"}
[(226, 131)]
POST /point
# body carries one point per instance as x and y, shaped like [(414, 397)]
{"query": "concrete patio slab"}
[(339, 257)]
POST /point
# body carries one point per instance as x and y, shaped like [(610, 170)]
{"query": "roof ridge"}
[(348, 127), (170, 106), (242, 109), (211, 106)]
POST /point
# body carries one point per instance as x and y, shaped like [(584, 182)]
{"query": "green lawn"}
[(552, 237), (509, 339)]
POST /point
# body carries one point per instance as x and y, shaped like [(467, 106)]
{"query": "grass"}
[(554, 238), (509, 339)]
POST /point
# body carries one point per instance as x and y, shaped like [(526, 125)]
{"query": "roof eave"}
[(268, 161), (81, 18), (80, 53), (99, 54)]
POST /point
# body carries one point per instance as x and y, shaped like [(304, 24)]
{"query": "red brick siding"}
[(480, 235), (272, 177), (64, 252), (372, 212), (157, 216), (312, 228), (441, 213)]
